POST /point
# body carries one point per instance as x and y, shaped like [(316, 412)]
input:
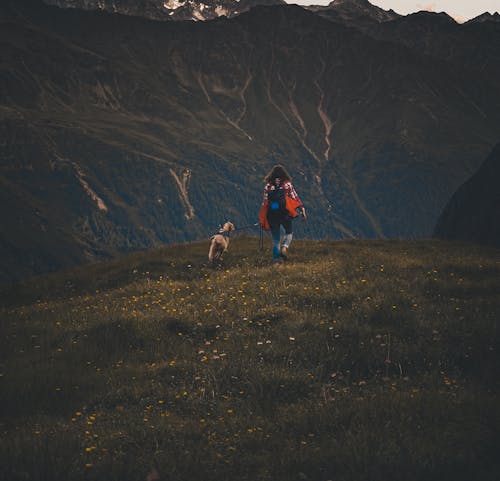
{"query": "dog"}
[(220, 242)]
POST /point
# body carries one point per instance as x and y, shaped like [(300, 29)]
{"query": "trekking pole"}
[(261, 240)]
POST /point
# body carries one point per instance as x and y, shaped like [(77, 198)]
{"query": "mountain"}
[(120, 133), (474, 45), (355, 12), (486, 17), (169, 9), (472, 213), (152, 9)]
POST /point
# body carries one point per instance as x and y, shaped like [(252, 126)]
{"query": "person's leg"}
[(275, 233), (287, 239)]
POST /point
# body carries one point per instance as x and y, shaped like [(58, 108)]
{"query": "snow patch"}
[(89, 191), (183, 191), (173, 4), (197, 15), (220, 11)]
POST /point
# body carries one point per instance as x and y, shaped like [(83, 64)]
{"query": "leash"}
[(247, 226)]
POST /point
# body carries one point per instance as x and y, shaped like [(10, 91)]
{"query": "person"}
[(280, 206)]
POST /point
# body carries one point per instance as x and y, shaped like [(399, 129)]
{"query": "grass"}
[(356, 360)]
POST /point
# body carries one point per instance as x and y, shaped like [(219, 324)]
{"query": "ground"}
[(354, 360)]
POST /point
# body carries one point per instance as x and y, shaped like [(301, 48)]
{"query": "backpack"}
[(276, 201)]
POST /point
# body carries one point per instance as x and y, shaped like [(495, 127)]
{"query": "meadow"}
[(356, 360)]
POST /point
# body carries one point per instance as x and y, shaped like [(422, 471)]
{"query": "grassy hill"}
[(356, 360)]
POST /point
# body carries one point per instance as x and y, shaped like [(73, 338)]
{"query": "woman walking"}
[(279, 208)]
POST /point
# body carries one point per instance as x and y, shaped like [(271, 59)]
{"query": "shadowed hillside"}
[(473, 211), (355, 360), (120, 133)]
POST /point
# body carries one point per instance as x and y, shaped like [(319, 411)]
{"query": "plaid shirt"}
[(287, 187)]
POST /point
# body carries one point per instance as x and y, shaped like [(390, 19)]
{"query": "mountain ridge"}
[(361, 11), (166, 10)]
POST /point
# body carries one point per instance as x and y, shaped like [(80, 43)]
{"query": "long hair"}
[(278, 171)]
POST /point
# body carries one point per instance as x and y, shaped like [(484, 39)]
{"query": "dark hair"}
[(278, 171)]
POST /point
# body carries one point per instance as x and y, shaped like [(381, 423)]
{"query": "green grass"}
[(356, 360)]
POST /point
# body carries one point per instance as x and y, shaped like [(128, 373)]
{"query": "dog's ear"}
[(231, 226)]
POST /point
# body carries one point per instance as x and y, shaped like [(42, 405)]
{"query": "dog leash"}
[(246, 226), (257, 224)]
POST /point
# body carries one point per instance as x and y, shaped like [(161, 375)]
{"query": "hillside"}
[(355, 360), (119, 133), (473, 211)]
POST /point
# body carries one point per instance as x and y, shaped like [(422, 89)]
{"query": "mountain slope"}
[(473, 211), (121, 133)]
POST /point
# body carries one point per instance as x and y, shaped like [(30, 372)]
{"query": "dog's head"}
[(228, 227)]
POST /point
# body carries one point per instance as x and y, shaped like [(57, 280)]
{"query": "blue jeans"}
[(276, 235)]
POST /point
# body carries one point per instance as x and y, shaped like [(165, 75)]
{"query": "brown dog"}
[(220, 242)]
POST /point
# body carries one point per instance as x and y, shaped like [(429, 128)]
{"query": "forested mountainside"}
[(121, 133)]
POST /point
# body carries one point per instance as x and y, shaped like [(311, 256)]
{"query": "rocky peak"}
[(352, 10), (197, 10), (486, 17)]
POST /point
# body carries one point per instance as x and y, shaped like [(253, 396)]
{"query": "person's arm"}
[(266, 190)]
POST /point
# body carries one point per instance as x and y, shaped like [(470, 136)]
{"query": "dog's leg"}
[(211, 252)]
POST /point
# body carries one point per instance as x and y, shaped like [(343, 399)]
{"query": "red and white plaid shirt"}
[(287, 187)]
